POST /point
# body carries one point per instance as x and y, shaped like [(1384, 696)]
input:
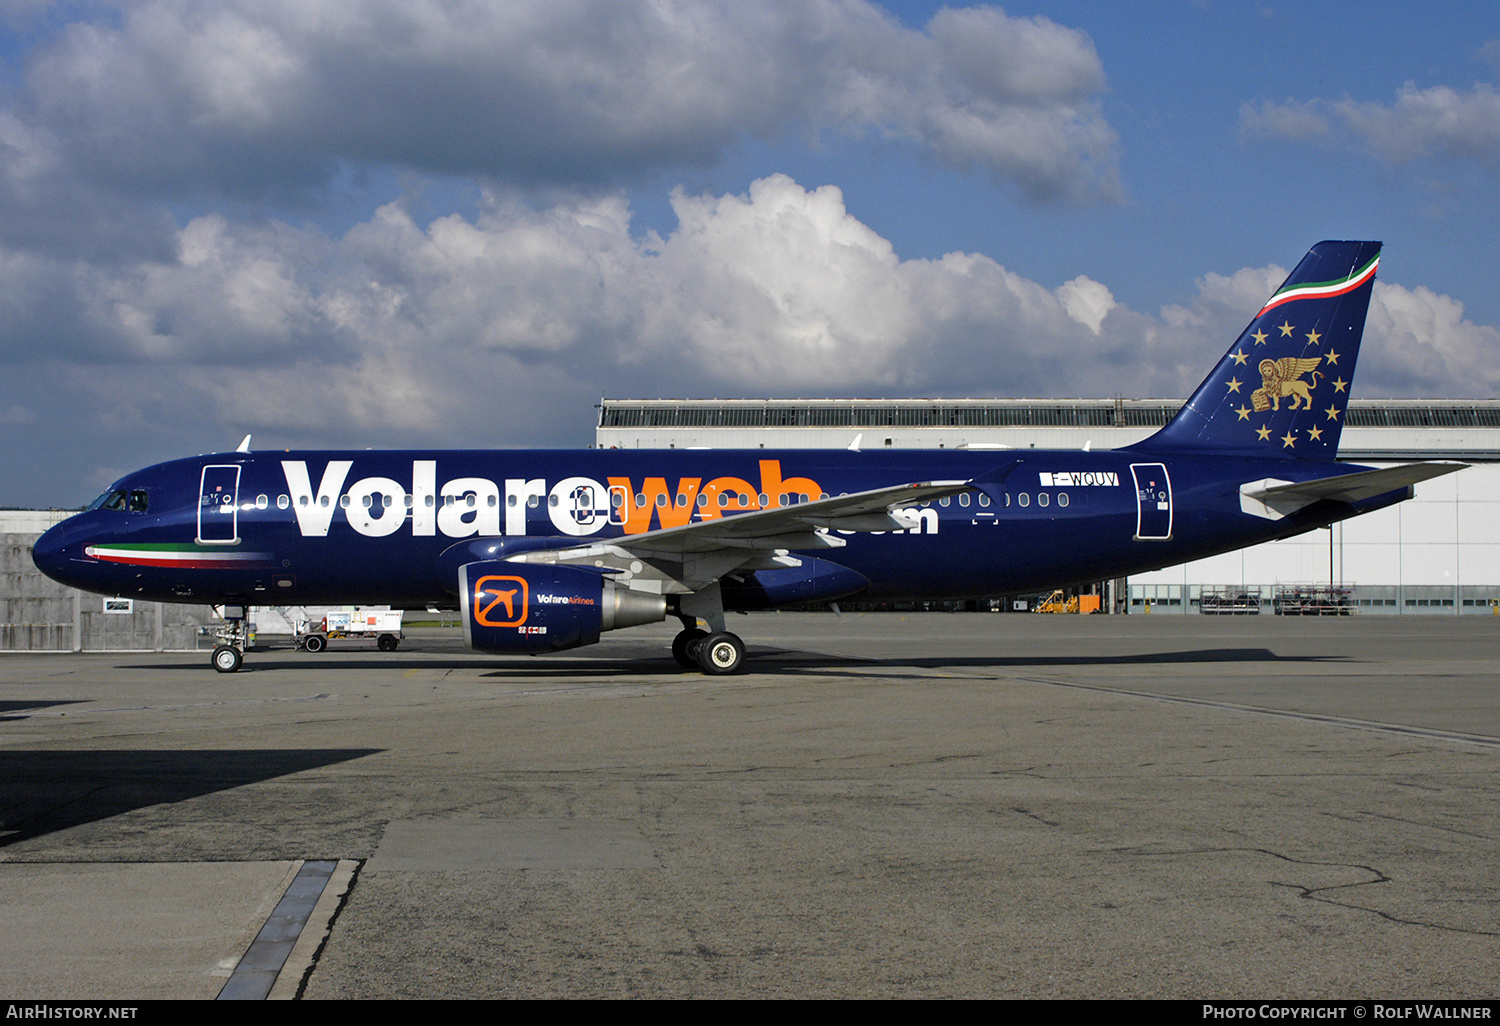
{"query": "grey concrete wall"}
[(39, 615)]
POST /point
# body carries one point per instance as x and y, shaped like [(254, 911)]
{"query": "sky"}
[(439, 223)]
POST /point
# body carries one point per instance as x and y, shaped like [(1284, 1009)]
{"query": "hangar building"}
[(1436, 553)]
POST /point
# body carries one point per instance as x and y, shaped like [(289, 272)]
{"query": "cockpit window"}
[(135, 500)]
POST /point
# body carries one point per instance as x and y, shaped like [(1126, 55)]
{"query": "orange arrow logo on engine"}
[(490, 592)]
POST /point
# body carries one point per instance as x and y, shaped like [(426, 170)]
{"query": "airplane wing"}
[(690, 557), (1273, 499)]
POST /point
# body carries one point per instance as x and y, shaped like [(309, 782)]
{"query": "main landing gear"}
[(718, 653), (714, 651)]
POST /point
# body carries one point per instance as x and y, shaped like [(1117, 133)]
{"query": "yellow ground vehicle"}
[(1056, 603)]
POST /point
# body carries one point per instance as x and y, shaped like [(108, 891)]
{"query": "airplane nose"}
[(53, 551)]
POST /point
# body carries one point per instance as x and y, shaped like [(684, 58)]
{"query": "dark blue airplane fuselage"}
[(1036, 519)]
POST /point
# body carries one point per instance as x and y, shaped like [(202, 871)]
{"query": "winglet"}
[(244, 445)]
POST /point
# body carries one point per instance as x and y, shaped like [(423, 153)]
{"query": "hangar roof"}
[(1373, 428)]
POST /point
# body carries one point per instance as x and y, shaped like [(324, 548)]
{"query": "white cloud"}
[(1290, 120), (261, 97), (1437, 122), (504, 329), (1087, 301), (1417, 343)]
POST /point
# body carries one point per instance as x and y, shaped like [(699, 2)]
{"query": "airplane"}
[(544, 550)]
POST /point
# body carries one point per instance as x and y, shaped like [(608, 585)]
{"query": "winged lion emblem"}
[(1281, 379)]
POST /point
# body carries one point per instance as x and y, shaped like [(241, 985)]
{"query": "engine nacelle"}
[(521, 607)]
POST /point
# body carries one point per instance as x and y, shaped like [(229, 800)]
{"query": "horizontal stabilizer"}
[(1273, 499)]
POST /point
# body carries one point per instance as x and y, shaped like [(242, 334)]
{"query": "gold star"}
[(1315, 433), (1244, 412), (1260, 338), (1331, 356), (1333, 412), (1264, 432), (1286, 329), (1313, 336), (1234, 384), (1239, 357), (1288, 441), (1340, 385)]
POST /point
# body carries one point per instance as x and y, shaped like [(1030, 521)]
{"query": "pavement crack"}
[(317, 955)]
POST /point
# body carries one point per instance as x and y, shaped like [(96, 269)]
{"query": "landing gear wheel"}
[(721, 654), (387, 643), (315, 643), (685, 647), (226, 658)]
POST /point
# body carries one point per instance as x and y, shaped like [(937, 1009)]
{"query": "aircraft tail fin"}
[(1283, 387)]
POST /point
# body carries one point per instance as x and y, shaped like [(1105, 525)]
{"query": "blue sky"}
[(432, 224)]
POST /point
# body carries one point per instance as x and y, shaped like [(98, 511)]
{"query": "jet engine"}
[(519, 607)]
